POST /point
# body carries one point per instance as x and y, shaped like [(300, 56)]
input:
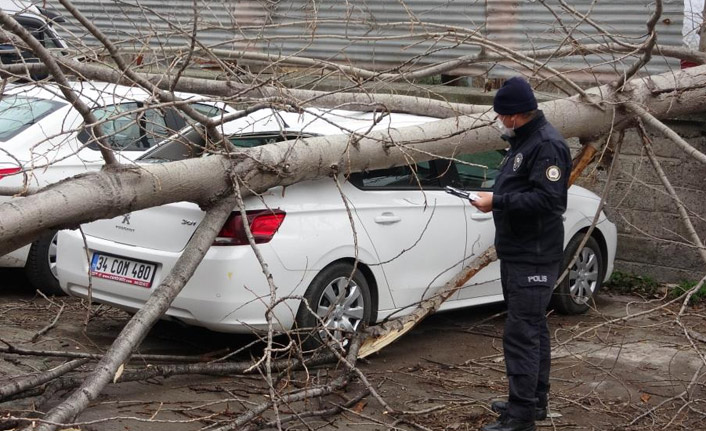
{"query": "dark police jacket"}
[(529, 195)]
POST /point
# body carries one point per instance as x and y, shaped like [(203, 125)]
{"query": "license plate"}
[(123, 270)]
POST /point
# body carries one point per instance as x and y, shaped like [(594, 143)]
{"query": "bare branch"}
[(126, 69), (683, 214), (51, 63), (666, 131), (20, 384), (649, 46), (155, 307)]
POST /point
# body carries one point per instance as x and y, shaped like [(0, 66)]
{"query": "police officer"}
[(528, 200)]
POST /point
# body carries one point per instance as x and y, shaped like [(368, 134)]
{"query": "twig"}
[(337, 383), (20, 384), (207, 357), (680, 395), (273, 298), (49, 326), (64, 86), (128, 71), (597, 215), (322, 412), (649, 46)]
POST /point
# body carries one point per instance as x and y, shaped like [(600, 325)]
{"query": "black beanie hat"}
[(514, 97)]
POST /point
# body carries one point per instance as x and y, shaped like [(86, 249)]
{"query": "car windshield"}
[(19, 112)]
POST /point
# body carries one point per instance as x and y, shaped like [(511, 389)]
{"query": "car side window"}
[(477, 171), (121, 126), (417, 176)]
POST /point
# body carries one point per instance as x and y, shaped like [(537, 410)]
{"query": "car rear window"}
[(129, 128), (132, 127), (17, 113)]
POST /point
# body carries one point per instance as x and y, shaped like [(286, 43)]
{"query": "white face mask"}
[(505, 131)]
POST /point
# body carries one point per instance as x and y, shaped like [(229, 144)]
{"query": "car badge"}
[(518, 161), (126, 219), (553, 173), (188, 222)]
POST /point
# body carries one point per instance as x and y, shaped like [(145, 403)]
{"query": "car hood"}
[(581, 192)]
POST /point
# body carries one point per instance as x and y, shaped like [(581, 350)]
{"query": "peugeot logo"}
[(126, 219)]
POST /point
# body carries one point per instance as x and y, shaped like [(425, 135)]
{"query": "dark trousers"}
[(527, 289)]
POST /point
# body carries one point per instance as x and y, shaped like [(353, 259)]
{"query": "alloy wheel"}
[(341, 308), (51, 255), (583, 278)]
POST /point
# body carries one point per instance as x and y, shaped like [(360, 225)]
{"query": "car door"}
[(417, 229), (477, 172)]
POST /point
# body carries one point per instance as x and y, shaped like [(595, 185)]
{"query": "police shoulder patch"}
[(553, 173)]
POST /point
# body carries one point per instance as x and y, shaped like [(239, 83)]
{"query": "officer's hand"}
[(484, 202)]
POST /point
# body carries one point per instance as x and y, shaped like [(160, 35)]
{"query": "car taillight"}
[(8, 171), (263, 225)]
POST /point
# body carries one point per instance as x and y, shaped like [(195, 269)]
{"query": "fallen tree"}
[(589, 115), (125, 189)]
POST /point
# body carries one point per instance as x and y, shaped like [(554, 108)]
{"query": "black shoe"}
[(506, 423), (500, 407)]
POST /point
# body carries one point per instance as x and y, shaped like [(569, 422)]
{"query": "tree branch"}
[(666, 131), (20, 384), (649, 46), (155, 307), (683, 214), (52, 65)]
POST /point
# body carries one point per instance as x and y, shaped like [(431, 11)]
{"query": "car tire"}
[(352, 313), (41, 264), (578, 289)]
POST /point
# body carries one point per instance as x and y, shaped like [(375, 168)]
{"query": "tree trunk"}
[(118, 191)]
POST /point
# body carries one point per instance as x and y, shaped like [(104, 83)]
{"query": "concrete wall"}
[(652, 238)]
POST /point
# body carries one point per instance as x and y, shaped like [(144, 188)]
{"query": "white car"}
[(408, 238), (42, 141)]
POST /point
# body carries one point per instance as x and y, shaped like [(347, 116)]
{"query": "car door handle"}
[(481, 216), (387, 218)]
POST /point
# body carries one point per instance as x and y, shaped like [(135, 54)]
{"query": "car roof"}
[(93, 93), (336, 121), (318, 121)]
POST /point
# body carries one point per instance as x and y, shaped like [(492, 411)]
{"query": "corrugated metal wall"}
[(387, 34)]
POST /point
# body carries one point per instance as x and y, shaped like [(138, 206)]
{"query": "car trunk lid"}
[(166, 228)]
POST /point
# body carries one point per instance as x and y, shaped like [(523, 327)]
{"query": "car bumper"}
[(228, 292), (610, 233)]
